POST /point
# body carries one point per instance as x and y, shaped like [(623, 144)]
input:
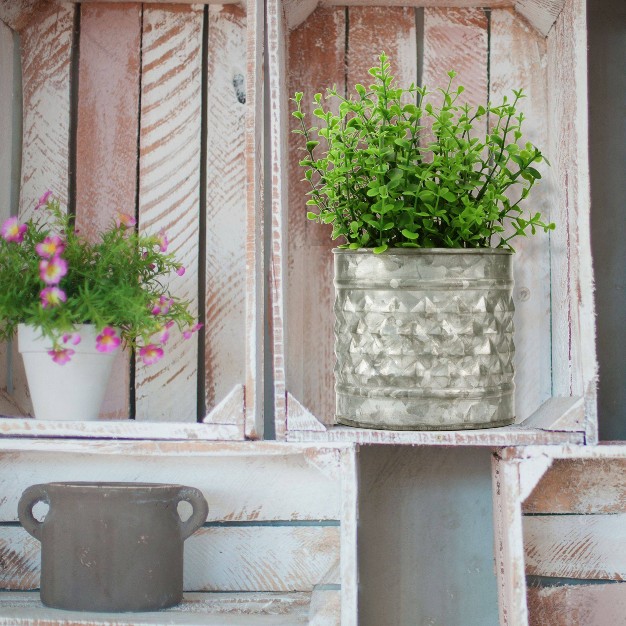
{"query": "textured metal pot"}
[(111, 546), (424, 339)]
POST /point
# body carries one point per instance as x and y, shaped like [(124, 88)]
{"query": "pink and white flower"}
[(13, 231), (150, 354), (51, 297), (125, 220), (73, 338), (51, 271), (188, 333), (61, 356), (162, 241), (50, 247), (43, 200), (107, 340), (163, 335), (163, 306), (181, 270)]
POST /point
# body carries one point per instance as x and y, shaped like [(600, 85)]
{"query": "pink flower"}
[(73, 338), (43, 200), (52, 296), (150, 354), (13, 231), (181, 270), (162, 241), (52, 271), (163, 306), (61, 356), (107, 340), (50, 247), (163, 335), (124, 220), (187, 333)]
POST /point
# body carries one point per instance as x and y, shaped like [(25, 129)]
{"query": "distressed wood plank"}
[(225, 360), (230, 410), (583, 486), (576, 546), (325, 608), (558, 414), (349, 614), (574, 363), (242, 558), (578, 605), (312, 68), (106, 141), (169, 185), (540, 13), (46, 47), (211, 609), (255, 220), (16, 13), (518, 60), (255, 484), (300, 418)]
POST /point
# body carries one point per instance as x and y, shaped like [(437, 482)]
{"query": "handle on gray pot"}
[(200, 510), (31, 496)]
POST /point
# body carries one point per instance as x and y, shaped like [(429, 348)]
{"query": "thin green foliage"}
[(394, 169)]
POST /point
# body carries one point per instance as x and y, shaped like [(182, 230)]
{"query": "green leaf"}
[(380, 249), (410, 235)]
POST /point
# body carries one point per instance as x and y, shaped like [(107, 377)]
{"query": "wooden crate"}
[(494, 46), (271, 551), (151, 109), (560, 522)]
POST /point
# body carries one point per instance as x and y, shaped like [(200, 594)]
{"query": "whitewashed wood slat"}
[(110, 429), (244, 558), (279, 158), (518, 60), (46, 127), (582, 486), (255, 220), (106, 142), (169, 198), (240, 485), (576, 546), (349, 613), (226, 196), (229, 411), (310, 357), (325, 608), (540, 13), (16, 13), (578, 605), (566, 414), (23, 608), (574, 363), (299, 418)]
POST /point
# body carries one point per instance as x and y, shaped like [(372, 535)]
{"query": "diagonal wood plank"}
[(225, 363), (169, 184)]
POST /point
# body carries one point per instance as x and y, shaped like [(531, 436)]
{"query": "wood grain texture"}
[(559, 414), (540, 13), (573, 336), (23, 608), (316, 53), (16, 13), (576, 546), (244, 558), (169, 186), (325, 608), (106, 141), (226, 192), (582, 486), (349, 613), (300, 418), (577, 605), (240, 484), (518, 60)]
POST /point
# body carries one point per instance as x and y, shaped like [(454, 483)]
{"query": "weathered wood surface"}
[(593, 486), (16, 13), (542, 14), (169, 180), (576, 546), (350, 490), (226, 203), (518, 60), (574, 365), (243, 558), (559, 413), (577, 605), (106, 141), (253, 484), (210, 609)]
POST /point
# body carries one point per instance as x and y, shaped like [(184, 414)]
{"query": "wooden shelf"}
[(253, 609)]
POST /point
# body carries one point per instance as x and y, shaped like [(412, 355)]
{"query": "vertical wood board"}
[(518, 60), (106, 141), (225, 360), (169, 179)]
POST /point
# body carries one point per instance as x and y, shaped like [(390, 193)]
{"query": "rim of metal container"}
[(418, 251), (111, 485)]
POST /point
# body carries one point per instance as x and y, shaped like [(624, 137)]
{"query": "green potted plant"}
[(74, 302), (425, 209)]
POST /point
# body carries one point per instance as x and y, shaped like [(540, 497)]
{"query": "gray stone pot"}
[(424, 338), (111, 546)]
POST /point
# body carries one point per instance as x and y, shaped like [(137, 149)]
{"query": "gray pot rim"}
[(119, 486), (424, 251)]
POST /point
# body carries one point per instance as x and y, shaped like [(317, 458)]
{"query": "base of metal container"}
[(387, 426)]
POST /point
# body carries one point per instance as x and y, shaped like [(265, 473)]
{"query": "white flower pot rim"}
[(418, 251)]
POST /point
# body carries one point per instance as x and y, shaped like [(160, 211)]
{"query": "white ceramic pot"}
[(73, 391)]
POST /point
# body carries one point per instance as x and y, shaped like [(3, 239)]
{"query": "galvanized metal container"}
[(111, 546), (424, 338)]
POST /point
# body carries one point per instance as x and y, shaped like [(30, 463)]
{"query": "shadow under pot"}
[(109, 546)]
